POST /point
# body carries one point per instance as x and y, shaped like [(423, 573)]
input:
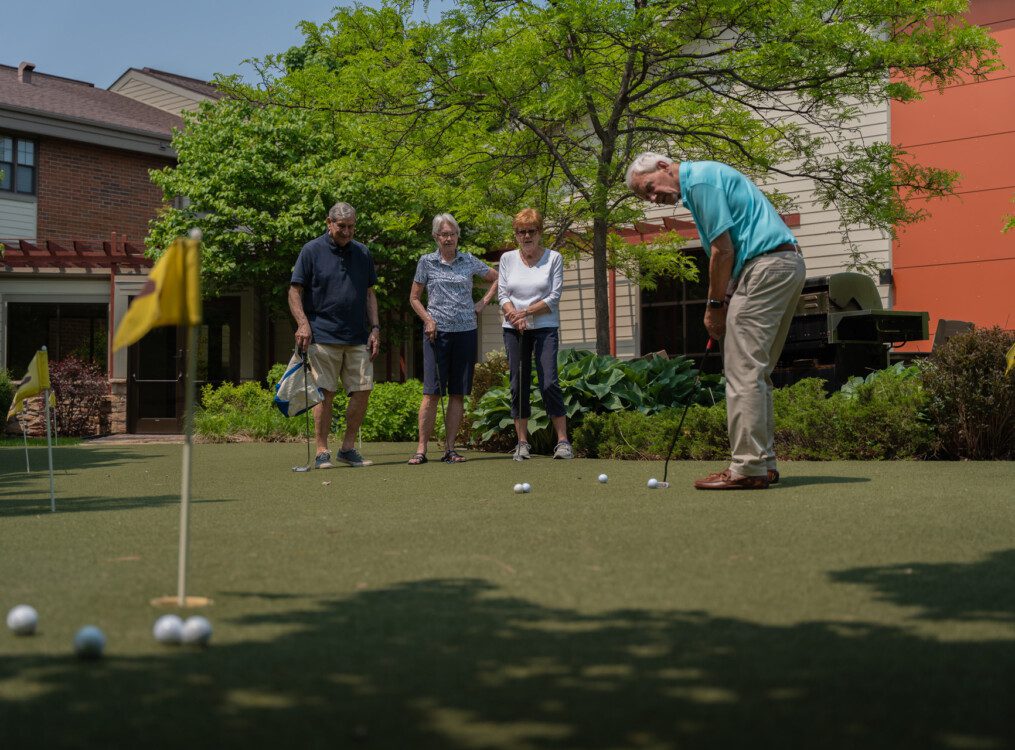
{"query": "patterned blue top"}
[(449, 289)]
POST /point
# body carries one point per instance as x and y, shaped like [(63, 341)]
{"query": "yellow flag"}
[(171, 297), (36, 380), (1010, 356)]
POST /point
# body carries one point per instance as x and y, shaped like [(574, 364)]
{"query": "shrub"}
[(246, 412), (7, 388), (392, 414), (880, 418), (592, 384), (884, 416), (971, 400), (81, 390)]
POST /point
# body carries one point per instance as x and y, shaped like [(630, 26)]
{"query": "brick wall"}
[(86, 191)]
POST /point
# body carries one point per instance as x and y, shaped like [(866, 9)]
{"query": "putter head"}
[(301, 469), (663, 485)]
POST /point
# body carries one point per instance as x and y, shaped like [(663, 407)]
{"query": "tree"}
[(547, 102), (258, 181)]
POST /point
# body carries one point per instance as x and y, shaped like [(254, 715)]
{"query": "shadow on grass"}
[(975, 591), (39, 504), (458, 664), (799, 481)]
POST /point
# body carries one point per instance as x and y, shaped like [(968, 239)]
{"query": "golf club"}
[(521, 371), (676, 433), (440, 391), (306, 396)]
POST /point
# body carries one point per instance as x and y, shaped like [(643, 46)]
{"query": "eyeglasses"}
[(447, 235), (342, 224), (526, 232)]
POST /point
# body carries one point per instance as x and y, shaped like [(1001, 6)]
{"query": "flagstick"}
[(188, 444), (49, 449), (24, 433)]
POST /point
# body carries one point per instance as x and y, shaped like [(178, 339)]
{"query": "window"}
[(672, 316), (66, 329), (17, 165)]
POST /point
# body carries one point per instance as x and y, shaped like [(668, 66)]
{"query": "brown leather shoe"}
[(724, 480), (773, 476)]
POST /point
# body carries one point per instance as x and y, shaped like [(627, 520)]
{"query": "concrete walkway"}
[(139, 439)]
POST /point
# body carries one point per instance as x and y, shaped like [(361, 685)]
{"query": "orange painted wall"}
[(957, 265)]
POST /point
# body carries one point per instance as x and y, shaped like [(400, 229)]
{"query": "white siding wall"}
[(157, 93), (18, 219)]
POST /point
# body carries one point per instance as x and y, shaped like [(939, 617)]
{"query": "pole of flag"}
[(49, 450), (188, 445), (172, 297), (24, 434)]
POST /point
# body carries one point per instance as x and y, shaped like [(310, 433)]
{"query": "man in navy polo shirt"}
[(755, 274), (331, 297)]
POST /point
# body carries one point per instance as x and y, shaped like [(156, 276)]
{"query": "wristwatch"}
[(715, 304)]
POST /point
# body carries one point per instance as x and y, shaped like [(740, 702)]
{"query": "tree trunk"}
[(600, 229)]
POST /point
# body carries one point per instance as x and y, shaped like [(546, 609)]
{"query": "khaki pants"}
[(757, 322)]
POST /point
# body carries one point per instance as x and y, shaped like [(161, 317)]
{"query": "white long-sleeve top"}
[(524, 286)]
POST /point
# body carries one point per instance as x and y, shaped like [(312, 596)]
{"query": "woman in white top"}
[(528, 288)]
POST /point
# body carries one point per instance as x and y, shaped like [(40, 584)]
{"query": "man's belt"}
[(784, 247)]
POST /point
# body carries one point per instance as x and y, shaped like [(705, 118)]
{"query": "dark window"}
[(65, 329), (17, 165), (672, 315)]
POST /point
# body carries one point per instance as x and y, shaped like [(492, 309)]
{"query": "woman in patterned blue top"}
[(449, 331)]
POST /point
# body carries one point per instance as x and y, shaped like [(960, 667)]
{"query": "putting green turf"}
[(853, 605)]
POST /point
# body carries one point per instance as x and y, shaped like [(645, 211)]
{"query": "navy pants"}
[(450, 359), (520, 346)]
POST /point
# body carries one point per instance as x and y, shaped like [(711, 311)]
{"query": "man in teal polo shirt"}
[(755, 275)]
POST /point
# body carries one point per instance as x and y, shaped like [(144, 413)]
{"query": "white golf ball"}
[(197, 631), (603, 478), (168, 629), (196, 234), (23, 620), (89, 642), (653, 483), (526, 487), (519, 489)]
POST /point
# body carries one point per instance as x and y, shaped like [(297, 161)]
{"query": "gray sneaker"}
[(352, 457), (521, 452), (563, 450), (323, 461)]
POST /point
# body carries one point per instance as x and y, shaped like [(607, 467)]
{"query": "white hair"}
[(644, 163), (440, 220), (341, 211)]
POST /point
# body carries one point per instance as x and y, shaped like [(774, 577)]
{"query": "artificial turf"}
[(853, 605)]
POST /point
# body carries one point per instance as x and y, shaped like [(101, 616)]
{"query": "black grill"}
[(841, 329)]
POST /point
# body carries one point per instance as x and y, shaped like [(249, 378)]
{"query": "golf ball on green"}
[(653, 483), (526, 487), (23, 620), (168, 629), (197, 631), (89, 642), (519, 488), (603, 478)]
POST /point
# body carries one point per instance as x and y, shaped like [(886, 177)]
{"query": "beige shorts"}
[(351, 364)]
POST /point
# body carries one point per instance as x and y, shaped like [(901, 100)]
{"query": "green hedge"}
[(245, 412), (882, 417)]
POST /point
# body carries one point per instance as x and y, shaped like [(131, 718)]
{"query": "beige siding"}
[(18, 219), (578, 311), (157, 93)]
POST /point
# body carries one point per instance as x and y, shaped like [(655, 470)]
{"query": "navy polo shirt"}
[(335, 282)]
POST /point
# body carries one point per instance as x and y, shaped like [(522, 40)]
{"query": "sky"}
[(97, 40)]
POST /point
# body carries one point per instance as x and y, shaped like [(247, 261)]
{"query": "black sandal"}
[(417, 459), (452, 457)]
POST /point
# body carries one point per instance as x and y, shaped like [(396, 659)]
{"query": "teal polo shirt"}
[(720, 198)]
